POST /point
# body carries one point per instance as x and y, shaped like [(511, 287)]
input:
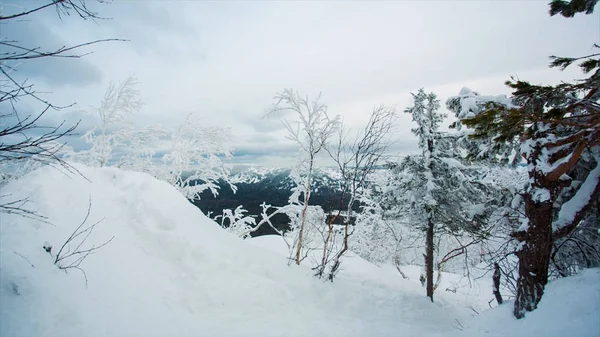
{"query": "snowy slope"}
[(170, 271)]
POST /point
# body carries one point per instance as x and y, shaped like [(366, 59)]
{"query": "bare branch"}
[(73, 259)]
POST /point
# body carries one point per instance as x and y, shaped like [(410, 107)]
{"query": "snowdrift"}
[(171, 271), (570, 307)]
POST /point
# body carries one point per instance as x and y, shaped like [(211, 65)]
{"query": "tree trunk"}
[(496, 280), (307, 186), (429, 259), (302, 225), (301, 232), (534, 256)]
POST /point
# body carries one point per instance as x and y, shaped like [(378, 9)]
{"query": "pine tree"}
[(558, 132), (437, 192), (425, 114)]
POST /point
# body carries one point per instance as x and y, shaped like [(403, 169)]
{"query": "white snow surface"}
[(171, 271), (570, 307)]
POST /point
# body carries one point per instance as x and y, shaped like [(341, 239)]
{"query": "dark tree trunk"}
[(534, 255), (429, 236), (429, 259), (496, 280)]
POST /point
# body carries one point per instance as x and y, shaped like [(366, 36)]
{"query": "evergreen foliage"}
[(557, 129)]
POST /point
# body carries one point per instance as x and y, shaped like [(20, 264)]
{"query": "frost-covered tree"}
[(383, 234), (115, 126), (425, 113), (192, 160), (236, 221), (557, 129), (311, 130), (313, 218), (437, 193), (193, 152)]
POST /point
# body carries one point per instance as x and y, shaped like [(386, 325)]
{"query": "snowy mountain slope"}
[(256, 185), (280, 178), (170, 271)]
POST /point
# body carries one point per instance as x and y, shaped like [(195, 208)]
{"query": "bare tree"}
[(25, 137), (355, 159)]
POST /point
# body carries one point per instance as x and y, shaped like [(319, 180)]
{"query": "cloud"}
[(264, 123), (225, 60), (155, 30), (33, 34)]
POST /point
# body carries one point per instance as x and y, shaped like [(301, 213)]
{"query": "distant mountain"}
[(256, 185)]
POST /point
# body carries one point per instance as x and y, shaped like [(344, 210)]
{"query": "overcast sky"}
[(226, 60)]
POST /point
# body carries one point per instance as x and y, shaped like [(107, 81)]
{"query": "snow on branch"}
[(237, 221), (312, 131), (573, 210)]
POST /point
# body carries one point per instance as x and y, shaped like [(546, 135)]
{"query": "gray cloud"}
[(156, 30), (57, 71), (225, 60)]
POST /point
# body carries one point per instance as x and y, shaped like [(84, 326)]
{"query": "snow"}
[(471, 102), (476, 209), (453, 163), (540, 194), (570, 307), (570, 208), (171, 271)]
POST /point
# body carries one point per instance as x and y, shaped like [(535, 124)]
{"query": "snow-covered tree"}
[(192, 153), (313, 218), (425, 114), (236, 221), (192, 160), (311, 130), (467, 104), (383, 234), (113, 130), (437, 193), (558, 133)]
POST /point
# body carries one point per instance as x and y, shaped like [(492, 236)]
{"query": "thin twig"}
[(26, 259)]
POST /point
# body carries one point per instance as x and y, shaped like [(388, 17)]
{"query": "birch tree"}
[(311, 130)]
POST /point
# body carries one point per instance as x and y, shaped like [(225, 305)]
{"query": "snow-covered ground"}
[(170, 271), (570, 307)]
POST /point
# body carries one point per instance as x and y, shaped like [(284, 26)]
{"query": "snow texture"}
[(570, 307), (171, 271)]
